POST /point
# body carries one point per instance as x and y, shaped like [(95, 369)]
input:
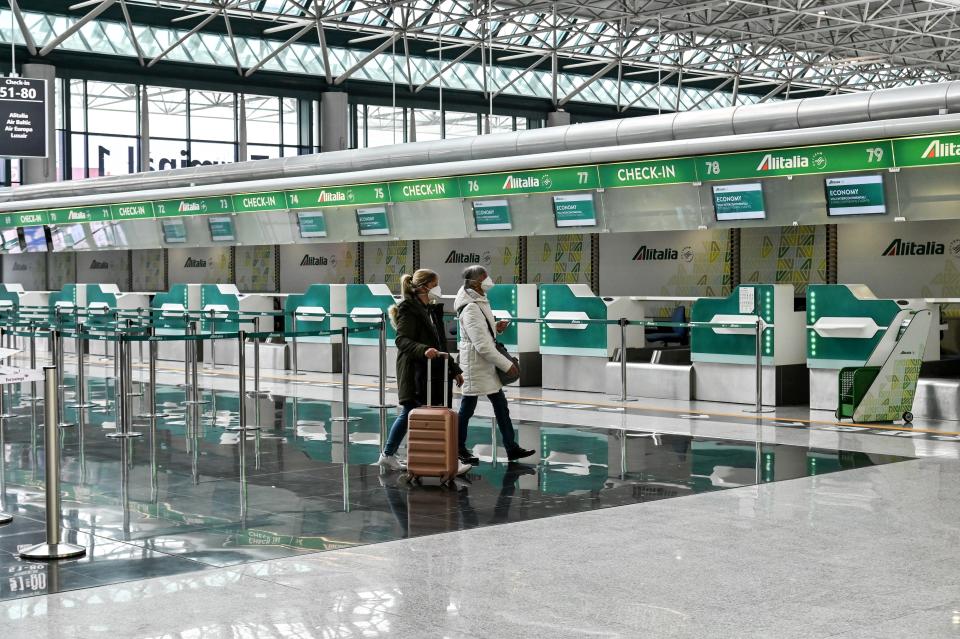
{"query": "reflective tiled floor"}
[(185, 496)]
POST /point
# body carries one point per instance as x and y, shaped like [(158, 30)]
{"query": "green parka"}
[(419, 327)]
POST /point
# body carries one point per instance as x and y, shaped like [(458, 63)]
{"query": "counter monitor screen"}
[(35, 239), (174, 232), (855, 195), (312, 224), (733, 202), (11, 241), (68, 237), (492, 215), (221, 228), (373, 221), (574, 210), (102, 234)]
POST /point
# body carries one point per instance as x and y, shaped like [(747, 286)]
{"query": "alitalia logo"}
[(194, 263), (19, 266), (99, 265), (77, 215), (191, 207), (903, 248), (771, 162), (331, 196), (530, 182), (650, 254), (314, 260), (937, 149), (456, 257)]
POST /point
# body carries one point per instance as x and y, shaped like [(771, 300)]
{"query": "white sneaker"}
[(463, 469), (391, 462)]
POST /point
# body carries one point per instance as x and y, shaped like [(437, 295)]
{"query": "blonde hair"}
[(409, 285)]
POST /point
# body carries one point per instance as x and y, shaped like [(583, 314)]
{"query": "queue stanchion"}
[(152, 396), (53, 548), (81, 374), (124, 417), (213, 342), (193, 376), (4, 415), (129, 389), (758, 366), (242, 360), (345, 419), (623, 323), (382, 405), (58, 354), (57, 399), (293, 353), (33, 359), (5, 517), (256, 369)]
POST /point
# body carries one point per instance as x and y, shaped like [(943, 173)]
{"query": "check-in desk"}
[(222, 308), (310, 311), (845, 324), (101, 301), (508, 302), (170, 312), (575, 355), (366, 303), (64, 304), (26, 305), (724, 359)]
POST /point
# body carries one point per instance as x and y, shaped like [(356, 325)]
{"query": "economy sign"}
[(492, 215), (574, 210), (738, 202), (648, 173), (571, 178), (372, 221), (859, 195), (837, 158)]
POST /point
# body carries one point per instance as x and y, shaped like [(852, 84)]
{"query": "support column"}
[(242, 154), (334, 121), (558, 118), (40, 170), (144, 129)]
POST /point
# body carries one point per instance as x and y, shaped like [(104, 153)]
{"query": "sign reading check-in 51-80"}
[(23, 118)]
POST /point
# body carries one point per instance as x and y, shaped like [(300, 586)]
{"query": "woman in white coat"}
[(480, 360)]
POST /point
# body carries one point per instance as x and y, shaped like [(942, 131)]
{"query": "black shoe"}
[(468, 458), (519, 453)]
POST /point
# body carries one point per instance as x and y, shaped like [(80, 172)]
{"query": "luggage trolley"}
[(883, 390)]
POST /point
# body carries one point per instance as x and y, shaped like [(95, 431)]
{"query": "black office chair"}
[(666, 335)]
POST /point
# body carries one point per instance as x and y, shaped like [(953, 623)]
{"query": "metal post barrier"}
[(4, 415), (213, 342), (129, 389), (81, 402), (33, 359), (58, 398), (758, 365), (622, 323), (53, 548), (382, 405), (345, 419), (5, 518), (293, 353), (58, 358), (193, 377), (123, 429), (152, 397), (256, 371), (242, 360)]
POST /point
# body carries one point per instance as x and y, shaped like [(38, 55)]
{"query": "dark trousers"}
[(468, 404)]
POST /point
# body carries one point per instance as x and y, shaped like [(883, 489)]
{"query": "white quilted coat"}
[(479, 358)]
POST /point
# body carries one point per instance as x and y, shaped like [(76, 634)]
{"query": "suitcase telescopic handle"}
[(446, 374)]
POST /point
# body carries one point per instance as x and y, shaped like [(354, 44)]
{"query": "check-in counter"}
[(14, 299), (64, 303), (575, 355), (101, 301), (219, 306), (310, 311), (724, 359), (508, 302), (845, 324), (170, 309), (365, 304)]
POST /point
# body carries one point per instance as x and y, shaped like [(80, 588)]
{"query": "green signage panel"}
[(423, 190), (928, 150), (132, 211), (221, 228), (373, 221), (253, 202), (571, 178), (79, 214), (856, 195), (312, 224), (649, 173), (337, 196), (193, 206), (492, 215), (738, 202), (836, 158), (574, 210), (27, 218)]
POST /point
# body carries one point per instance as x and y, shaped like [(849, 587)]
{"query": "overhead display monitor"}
[(492, 215), (373, 221), (855, 195), (574, 210), (221, 228), (101, 234), (733, 202), (312, 224), (68, 236), (11, 241), (174, 232), (35, 239)]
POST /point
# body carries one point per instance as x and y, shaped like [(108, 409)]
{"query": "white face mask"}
[(434, 293), (487, 284)]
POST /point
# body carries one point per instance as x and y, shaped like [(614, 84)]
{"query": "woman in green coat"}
[(421, 342)]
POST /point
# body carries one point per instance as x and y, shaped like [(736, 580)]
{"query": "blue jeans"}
[(468, 404), (399, 429)]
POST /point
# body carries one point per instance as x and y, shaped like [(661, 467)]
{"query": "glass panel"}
[(110, 155), (212, 153), (58, 93), (78, 159), (290, 151), (78, 121), (384, 125), (168, 112), (501, 123), (263, 120), (263, 151), (428, 124), (212, 116), (290, 121), (111, 108), (167, 154), (458, 125)]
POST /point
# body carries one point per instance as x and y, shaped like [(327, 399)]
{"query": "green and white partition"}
[(846, 325), (724, 359), (220, 304), (365, 304), (171, 307), (509, 302), (575, 355), (13, 298), (102, 299), (310, 311)]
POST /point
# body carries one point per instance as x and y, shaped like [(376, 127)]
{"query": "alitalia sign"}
[(930, 150), (903, 248)]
